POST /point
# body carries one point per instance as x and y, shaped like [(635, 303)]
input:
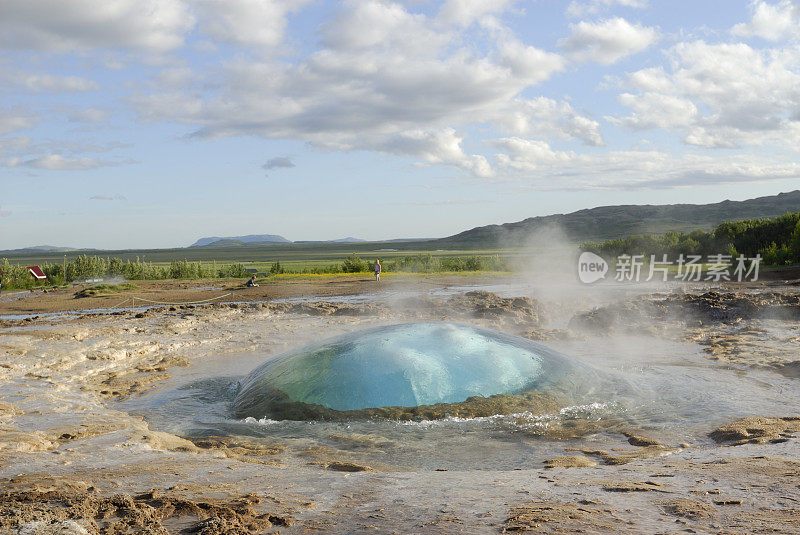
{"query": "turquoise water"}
[(401, 366)]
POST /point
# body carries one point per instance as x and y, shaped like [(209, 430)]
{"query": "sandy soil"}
[(73, 461)]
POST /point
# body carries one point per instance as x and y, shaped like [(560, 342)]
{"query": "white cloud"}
[(48, 82), (56, 162), (384, 73), (536, 165), (430, 146), (529, 63), (723, 95), (14, 144), (66, 25), (529, 154), (592, 7), (697, 170), (544, 117), (655, 110), (247, 22), (376, 25), (89, 115), (607, 41), (175, 76), (773, 22), (77, 147), (444, 202), (465, 12), (13, 120), (650, 79), (385, 78), (435, 147), (116, 197)]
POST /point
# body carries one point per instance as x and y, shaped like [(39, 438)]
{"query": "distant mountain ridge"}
[(240, 240), (608, 222), (348, 239), (592, 224), (230, 241), (43, 249), (340, 240)]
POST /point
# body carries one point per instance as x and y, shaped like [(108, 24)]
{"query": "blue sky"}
[(152, 123)]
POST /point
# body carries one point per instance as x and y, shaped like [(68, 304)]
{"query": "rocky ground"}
[(757, 329), (72, 461)]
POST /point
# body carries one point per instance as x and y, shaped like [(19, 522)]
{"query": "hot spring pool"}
[(403, 396), (392, 371)]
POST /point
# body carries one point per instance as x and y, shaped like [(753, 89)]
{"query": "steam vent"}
[(413, 371)]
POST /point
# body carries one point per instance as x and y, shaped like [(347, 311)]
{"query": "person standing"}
[(377, 269)]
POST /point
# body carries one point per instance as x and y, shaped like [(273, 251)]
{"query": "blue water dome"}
[(407, 365)]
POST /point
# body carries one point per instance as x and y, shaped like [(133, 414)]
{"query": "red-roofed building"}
[(37, 272)]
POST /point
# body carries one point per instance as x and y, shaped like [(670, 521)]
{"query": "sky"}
[(153, 123)]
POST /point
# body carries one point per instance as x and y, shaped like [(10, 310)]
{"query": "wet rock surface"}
[(758, 329), (757, 430), (692, 509), (478, 304), (634, 486), (150, 512), (472, 407), (241, 449), (560, 517), (73, 461), (570, 461), (483, 304), (654, 311)]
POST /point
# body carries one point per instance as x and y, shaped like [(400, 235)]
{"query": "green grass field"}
[(298, 256), (241, 260)]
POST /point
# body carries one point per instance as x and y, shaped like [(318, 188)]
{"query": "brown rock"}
[(728, 502), (343, 466), (563, 517), (626, 457), (693, 509), (756, 430), (632, 486), (639, 440), (570, 461), (144, 513)]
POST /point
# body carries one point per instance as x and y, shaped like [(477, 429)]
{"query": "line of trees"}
[(94, 267), (427, 263), (85, 267), (776, 240)]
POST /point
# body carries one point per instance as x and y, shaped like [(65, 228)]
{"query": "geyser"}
[(413, 370)]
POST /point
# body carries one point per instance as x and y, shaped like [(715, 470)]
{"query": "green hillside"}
[(608, 222)]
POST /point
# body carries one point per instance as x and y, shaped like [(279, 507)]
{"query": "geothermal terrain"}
[(118, 421)]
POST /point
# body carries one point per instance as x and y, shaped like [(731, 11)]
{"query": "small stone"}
[(570, 461), (342, 466), (728, 502)]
